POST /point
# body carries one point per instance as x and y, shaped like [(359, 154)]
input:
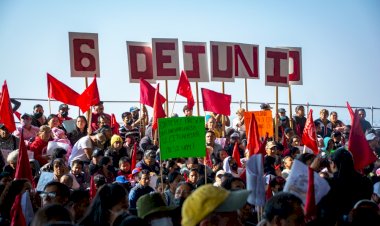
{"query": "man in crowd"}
[(29, 131), (63, 113), (84, 147), (140, 189), (149, 162)]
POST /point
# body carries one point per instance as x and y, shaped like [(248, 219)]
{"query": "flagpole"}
[(196, 91), (246, 93), (49, 106), (142, 122), (167, 99), (204, 161), (276, 117), (161, 168), (175, 98), (88, 113), (290, 106), (223, 123)]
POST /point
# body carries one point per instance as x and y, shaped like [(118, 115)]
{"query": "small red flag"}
[(147, 92), (358, 145), (17, 216), (92, 187), (158, 111), (184, 89), (134, 155), (236, 154), (253, 138), (114, 125), (310, 207), (208, 159), (6, 112), (350, 111), (268, 193), (309, 135), (61, 92), (22, 161), (218, 103), (89, 97)]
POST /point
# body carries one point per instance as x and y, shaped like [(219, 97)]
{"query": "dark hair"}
[(172, 176), (108, 196), (305, 157), (104, 161), (144, 171), (37, 106), (186, 108), (99, 180), (58, 153), (84, 118), (193, 170), (281, 205), (344, 161), (52, 213), (299, 106), (278, 180), (51, 116), (62, 189), (78, 195), (192, 160), (78, 162), (227, 183), (124, 159), (191, 186)]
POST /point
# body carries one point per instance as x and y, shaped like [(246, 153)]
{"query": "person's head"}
[(152, 208), (192, 163), (333, 116), (58, 133), (329, 143), (104, 120), (45, 133), (26, 120), (12, 158), (289, 132), (281, 112), (233, 164), (235, 137), (295, 141), (106, 164), (323, 114), (59, 153), (342, 161), (210, 205), (4, 133), (53, 121), (55, 193), (99, 108), (346, 131), (79, 202), (182, 191), (284, 209), (271, 148), (99, 180), (76, 167), (97, 155), (223, 154), (240, 113), (218, 177), (144, 178), (365, 212), (187, 111), (361, 113), (5, 178), (336, 136), (277, 184), (373, 140), (67, 180), (150, 157), (59, 167), (38, 111), (125, 164), (294, 151), (210, 137), (99, 140), (211, 123), (127, 118), (306, 158), (300, 111), (135, 111), (174, 178), (376, 193), (52, 214), (233, 183), (193, 176), (116, 142), (63, 110), (81, 123), (288, 162)]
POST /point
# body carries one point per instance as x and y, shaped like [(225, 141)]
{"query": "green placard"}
[(182, 137)]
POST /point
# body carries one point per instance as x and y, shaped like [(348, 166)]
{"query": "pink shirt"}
[(28, 133)]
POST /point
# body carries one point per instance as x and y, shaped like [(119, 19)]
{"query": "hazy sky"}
[(340, 43)]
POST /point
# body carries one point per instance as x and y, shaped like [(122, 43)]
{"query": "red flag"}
[(89, 97), (350, 111), (18, 115), (6, 112), (262, 146), (309, 135), (147, 92), (358, 145), (134, 155), (253, 139), (310, 207), (61, 92), (22, 169), (17, 216), (158, 111), (208, 159), (92, 187), (218, 103), (268, 193), (114, 125), (236, 154), (184, 89)]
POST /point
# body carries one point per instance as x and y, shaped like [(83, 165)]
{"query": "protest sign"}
[(140, 61), (195, 61), (295, 66), (182, 137), (222, 61), (246, 61), (264, 122), (256, 180), (165, 59), (45, 178), (69, 125), (276, 67), (297, 182)]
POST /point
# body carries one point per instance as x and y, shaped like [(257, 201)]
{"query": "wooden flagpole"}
[(167, 99), (196, 92), (246, 93), (290, 106), (276, 117), (88, 113), (223, 122), (49, 106), (175, 99)]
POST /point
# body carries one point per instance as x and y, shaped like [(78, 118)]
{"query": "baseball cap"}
[(136, 170), (370, 136), (134, 108), (270, 145), (121, 180), (64, 106), (207, 199), (281, 110), (265, 106), (151, 203), (235, 135)]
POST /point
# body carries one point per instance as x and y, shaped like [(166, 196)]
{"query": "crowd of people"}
[(108, 174)]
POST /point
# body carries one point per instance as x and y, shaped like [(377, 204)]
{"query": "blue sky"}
[(340, 42)]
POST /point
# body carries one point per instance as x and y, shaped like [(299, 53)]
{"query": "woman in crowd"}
[(80, 131)]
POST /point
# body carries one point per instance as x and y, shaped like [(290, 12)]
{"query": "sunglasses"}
[(51, 195)]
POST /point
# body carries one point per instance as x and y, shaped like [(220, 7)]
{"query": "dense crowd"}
[(103, 173)]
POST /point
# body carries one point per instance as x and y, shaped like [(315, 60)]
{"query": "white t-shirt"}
[(78, 149)]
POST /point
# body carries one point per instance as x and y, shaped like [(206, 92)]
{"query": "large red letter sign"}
[(295, 66), (140, 61), (246, 61), (165, 59), (195, 61), (222, 61), (276, 67), (84, 54)]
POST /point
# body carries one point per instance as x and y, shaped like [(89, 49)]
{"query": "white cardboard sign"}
[(276, 67), (246, 61), (195, 61), (222, 61), (295, 66), (165, 59), (140, 61)]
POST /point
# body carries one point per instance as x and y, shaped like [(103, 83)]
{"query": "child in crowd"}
[(77, 172), (124, 167)]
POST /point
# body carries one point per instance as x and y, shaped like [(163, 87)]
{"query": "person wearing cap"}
[(283, 122), (63, 113), (97, 155), (39, 145), (149, 162), (210, 205), (218, 178), (235, 138), (8, 142), (324, 123), (127, 125), (84, 147), (138, 120), (152, 208), (140, 189), (29, 131), (98, 111), (38, 117), (116, 150), (299, 120)]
